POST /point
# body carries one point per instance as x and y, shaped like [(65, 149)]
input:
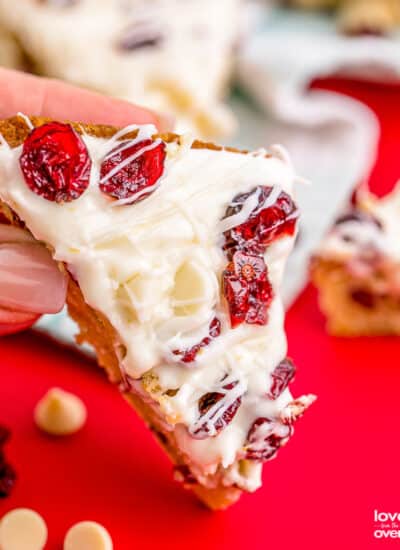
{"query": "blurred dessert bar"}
[(175, 251), (357, 269), (171, 55), (359, 16), (369, 16), (312, 4)]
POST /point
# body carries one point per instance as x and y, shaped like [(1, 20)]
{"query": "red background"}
[(319, 494)]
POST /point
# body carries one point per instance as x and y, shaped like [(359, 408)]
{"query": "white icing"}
[(128, 159), (250, 205), (153, 269), (346, 240), (184, 74), (246, 475), (26, 119), (387, 210)]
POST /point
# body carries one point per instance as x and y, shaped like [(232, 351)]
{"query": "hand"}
[(28, 275)]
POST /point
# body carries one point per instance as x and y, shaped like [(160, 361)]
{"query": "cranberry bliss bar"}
[(357, 269), (175, 252)]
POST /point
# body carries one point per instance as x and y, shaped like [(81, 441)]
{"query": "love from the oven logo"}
[(386, 525)]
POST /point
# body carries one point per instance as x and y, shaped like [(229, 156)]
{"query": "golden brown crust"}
[(15, 130), (352, 306), (96, 330)]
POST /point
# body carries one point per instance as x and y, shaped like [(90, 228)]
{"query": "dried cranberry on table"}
[(189, 355), (217, 410), (132, 170), (265, 438), (55, 162), (7, 478), (247, 289), (265, 223), (281, 376), (7, 472), (4, 435)]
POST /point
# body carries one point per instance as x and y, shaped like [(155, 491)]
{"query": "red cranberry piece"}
[(7, 479), (189, 355), (266, 223), (55, 162), (129, 170), (217, 410), (265, 438), (281, 378), (4, 435), (364, 298), (7, 473), (247, 289)]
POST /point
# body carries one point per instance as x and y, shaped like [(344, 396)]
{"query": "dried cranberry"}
[(360, 217), (247, 289), (4, 435), (282, 375), (219, 407), (367, 29), (265, 437), (266, 222), (190, 354), (7, 479), (129, 170), (364, 298), (140, 35), (7, 473), (55, 162)]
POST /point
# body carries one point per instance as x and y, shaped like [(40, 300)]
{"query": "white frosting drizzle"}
[(250, 204), (27, 120), (280, 152), (387, 211), (349, 239), (237, 219), (153, 269), (208, 421)]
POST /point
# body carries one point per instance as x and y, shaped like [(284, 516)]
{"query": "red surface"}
[(319, 494)]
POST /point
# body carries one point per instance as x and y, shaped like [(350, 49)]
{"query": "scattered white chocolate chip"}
[(87, 535), (60, 412), (22, 529)]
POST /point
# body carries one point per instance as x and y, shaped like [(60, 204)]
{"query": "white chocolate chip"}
[(22, 529), (87, 535), (60, 412)]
